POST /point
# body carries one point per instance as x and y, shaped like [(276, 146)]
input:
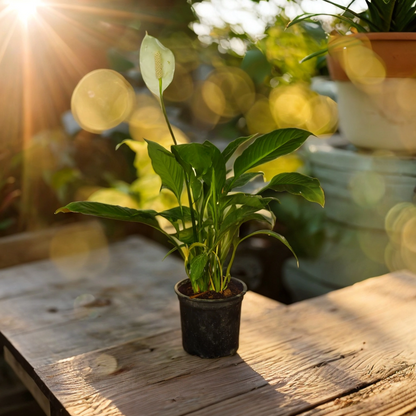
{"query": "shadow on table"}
[(155, 376)]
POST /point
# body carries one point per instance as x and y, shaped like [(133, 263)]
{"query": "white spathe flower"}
[(156, 62)]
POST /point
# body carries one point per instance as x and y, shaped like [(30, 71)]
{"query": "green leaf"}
[(371, 23), (196, 186), (381, 13), (248, 200), (404, 18), (197, 266), (112, 212), (183, 154), (256, 65), (134, 145), (313, 55), (172, 251), (297, 184), (176, 214), (166, 166), (234, 145), (185, 236), (241, 215), (353, 13), (193, 155), (308, 16), (217, 168), (269, 147), (271, 234), (244, 179)]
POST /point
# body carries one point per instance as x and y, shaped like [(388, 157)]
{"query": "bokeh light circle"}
[(397, 218), (228, 91), (367, 188), (102, 100)]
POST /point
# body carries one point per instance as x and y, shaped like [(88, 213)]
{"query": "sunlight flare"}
[(25, 8)]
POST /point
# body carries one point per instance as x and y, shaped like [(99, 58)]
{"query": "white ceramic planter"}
[(381, 116), (360, 189), (375, 73)]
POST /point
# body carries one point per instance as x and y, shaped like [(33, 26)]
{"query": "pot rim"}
[(396, 49), (240, 295)]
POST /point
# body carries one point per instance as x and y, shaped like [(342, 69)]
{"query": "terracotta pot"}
[(397, 50), (375, 75)]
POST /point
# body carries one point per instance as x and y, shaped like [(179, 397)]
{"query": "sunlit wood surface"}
[(109, 343)]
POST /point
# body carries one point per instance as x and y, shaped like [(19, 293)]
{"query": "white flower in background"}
[(156, 63)]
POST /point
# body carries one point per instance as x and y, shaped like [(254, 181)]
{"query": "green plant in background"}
[(259, 27), (205, 229), (285, 48), (50, 175), (380, 16)]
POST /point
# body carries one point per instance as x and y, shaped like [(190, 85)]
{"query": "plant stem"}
[(183, 220), (162, 104), (188, 190), (231, 261)]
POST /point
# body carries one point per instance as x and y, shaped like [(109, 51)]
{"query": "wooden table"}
[(99, 335)]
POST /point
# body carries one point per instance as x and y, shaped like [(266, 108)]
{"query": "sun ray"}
[(4, 45), (6, 11), (96, 35), (28, 81), (27, 121), (46, 47), (24, 8), (100, 11), (63, 52)]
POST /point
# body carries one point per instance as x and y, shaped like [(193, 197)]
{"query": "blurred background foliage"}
[(237, 73)]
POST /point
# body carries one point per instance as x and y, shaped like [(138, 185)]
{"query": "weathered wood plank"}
[(330, 363), (87, 300), (122, 354), (290, 371), (45, 295), (393, 396), (75, 331), (129, 315), (137, 302)]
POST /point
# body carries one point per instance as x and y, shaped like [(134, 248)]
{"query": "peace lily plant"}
[(205, 230)]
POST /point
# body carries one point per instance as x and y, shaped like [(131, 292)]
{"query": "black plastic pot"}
[(210, 327)]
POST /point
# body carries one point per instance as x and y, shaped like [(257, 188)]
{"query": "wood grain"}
[(393, 396), (294, 369), (110, 344), (119, 306)]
